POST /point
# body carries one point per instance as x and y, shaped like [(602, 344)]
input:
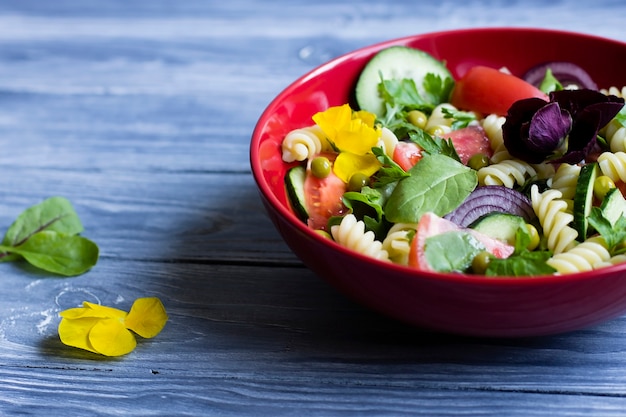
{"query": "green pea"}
[(320, 167), (478, 161), (417, 118), (534, 237), (601, 186), (481, 262), (357, 181)]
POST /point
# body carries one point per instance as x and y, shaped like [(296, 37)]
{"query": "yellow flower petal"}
[(92, 310), (368, 118), (356, 137), (147, 317), (109, 337), (347, 164), (333, 119), (75, 332)]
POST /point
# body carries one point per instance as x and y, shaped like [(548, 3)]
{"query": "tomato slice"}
[(430, 224), (406, 154), (323, 199), (487, 90), (470, 141)]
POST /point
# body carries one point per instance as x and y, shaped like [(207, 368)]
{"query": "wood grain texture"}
[(140, 113)]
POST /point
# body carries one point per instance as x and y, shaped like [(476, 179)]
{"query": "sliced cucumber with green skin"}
[(614, 205), (395, 62), (583, 199), (294, 184), (501, 226)]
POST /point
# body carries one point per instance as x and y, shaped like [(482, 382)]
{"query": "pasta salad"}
[(490, 174)]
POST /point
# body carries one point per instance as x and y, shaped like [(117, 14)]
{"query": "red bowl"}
[(453, 303)]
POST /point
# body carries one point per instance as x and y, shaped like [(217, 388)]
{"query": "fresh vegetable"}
[(470, 141), (492, 198), (437, 184), (410, 77), (568, 75), (501, 226), (407, 154), (294, 185), (47, 236), (487, 90), (431, 225), (583, 199), (323, 198)]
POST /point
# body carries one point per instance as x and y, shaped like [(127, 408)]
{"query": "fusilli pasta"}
[(397, 243), (586, 256), (301, 144), (554, 217), (507, 172), (613, 165), (565, 179), (351, 234)]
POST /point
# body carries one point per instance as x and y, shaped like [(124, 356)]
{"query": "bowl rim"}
[(470, 279)]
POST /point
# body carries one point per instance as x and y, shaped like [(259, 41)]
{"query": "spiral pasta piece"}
[(586, 256), (613, 165), (397, 243), (615, 135), (351, 234), (507, 172), (302, 143), (437, 122), (554, 218), (565, 179), (615, 91), (492, 125)]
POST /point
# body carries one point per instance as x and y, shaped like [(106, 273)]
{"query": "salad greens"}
[(47, 236)]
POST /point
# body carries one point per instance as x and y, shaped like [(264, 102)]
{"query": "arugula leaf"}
[(526, 263), (434, 145), (452, 251), (390, 172), (460, 119), (613, 234), (58, 253), (436, 183), (367, 206), (522, 262)]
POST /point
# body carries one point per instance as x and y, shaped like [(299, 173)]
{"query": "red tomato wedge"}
[(470, 141), (323, 198), (430, 225), (406, 154), (487, 90)]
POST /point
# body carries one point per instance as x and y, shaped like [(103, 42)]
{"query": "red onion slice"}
[(568, 74)]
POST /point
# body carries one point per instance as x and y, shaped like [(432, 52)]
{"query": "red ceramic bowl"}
[(453, 303)]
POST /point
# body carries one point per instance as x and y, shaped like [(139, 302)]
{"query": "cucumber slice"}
[(294, 185), (395, 62), (614, 205), (583, 199), (501, 226)]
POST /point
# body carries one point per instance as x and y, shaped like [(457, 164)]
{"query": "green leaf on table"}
[(54, 213), (437, 183), (59, 253)]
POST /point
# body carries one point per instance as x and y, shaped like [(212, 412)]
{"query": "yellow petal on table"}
[(347, 164), (92, 310), (75, 332), (147, 317), (109, 337)]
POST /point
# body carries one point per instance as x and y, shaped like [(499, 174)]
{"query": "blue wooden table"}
[(140, 113)]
